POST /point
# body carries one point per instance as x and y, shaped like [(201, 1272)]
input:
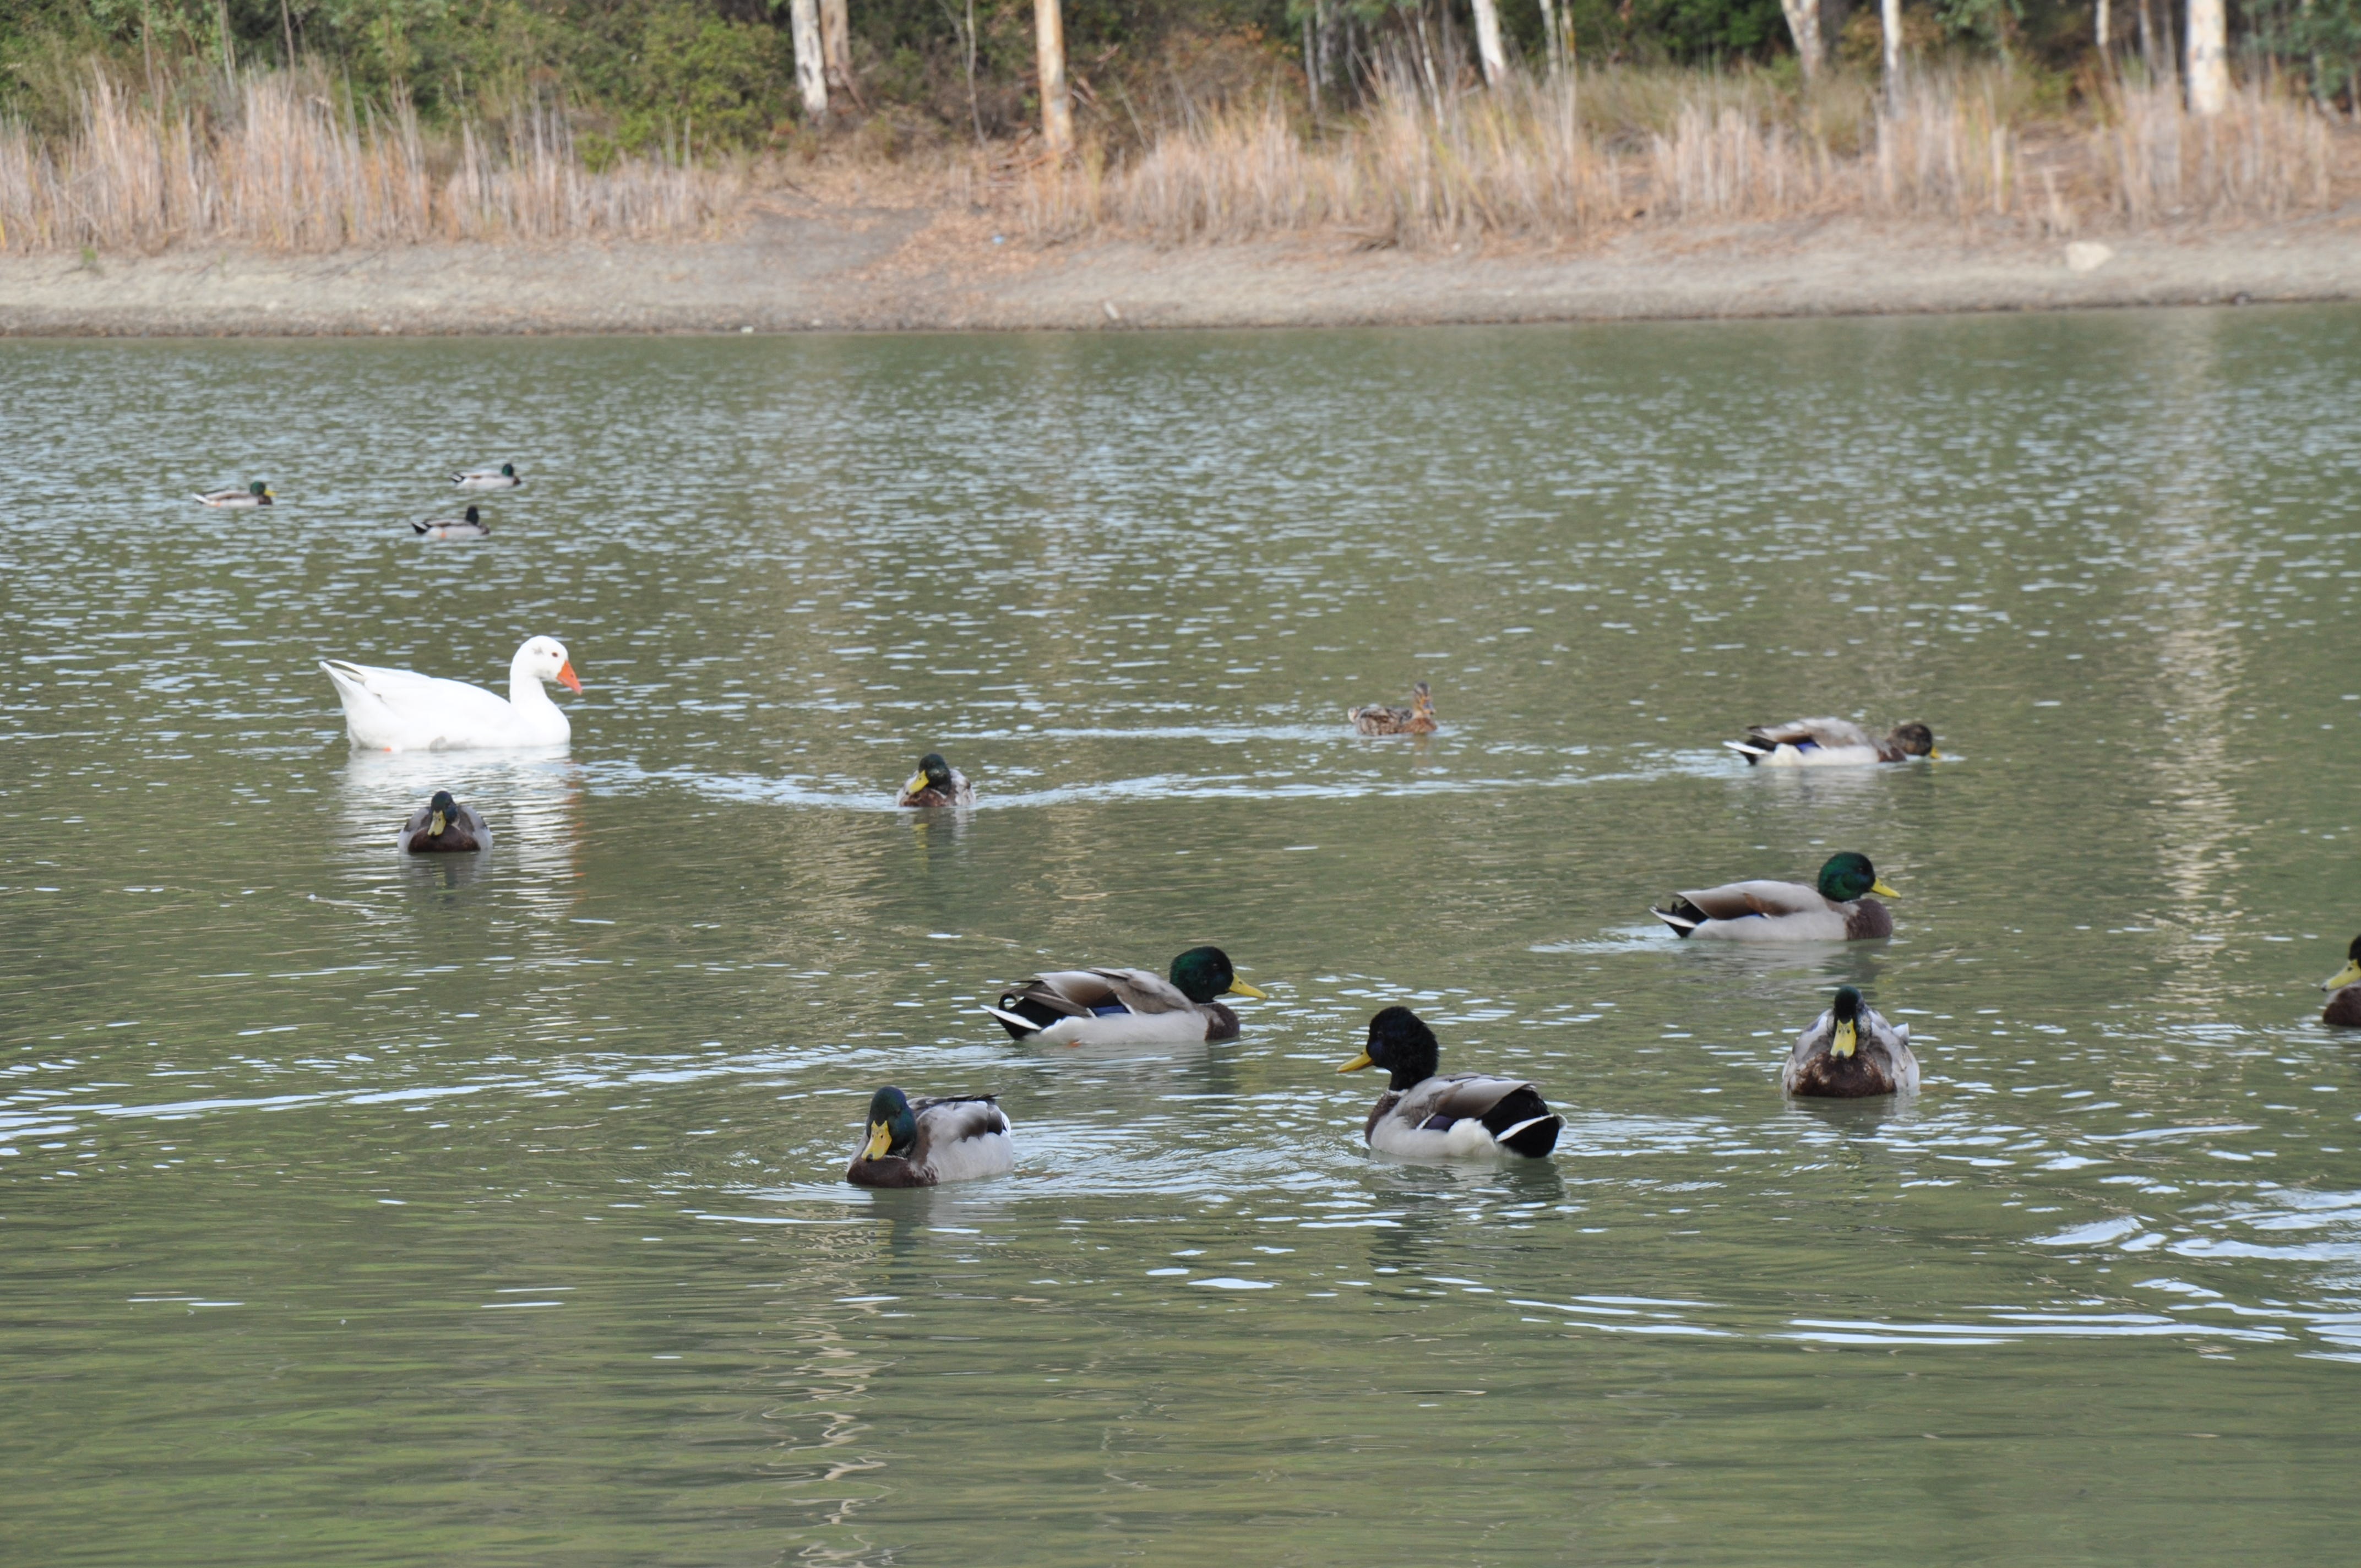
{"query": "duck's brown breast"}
[(890, 1171), (2344, 1008), (1842, 1077), (1867, 921)]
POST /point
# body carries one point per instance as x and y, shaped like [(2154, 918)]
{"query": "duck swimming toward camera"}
[(444, 826), (471, 526), (1838, 910), (257, 494), (1428, 1116), (919, 1143), (1127, 1006), (1831, 743), (1850, 1053), (1418, 719), (936, 782), (2345, 1002)]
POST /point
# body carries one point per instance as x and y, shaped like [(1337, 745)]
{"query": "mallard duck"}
[(1127, 1006), (471, 526), (443, 825), (2345, 1003), (1850, 1053), (1838, 910), (257, 494), (1831, 742), (401, 710), (956, 1138), (936, 782), (503, 478), (1422, 1114), (1418, 719)]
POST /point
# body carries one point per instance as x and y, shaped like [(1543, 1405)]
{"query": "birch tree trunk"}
[(1554, 46), (836, 42), (1049, 50), (2101, 26), (811, 68), (2209, 56), (1889, 25), (1804, 27), (1488, 42)]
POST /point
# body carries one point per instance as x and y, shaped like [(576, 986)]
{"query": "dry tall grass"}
[(1549, 159), (286, 169)]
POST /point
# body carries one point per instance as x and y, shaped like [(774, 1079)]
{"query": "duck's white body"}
[(400, 710), (486, 479), (1143, 1009), (1405, 1122), (1785, 755)]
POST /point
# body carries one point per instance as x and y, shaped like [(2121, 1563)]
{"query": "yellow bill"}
[(1848, 1041), (1879, 886), (2349, 975), (1240, 988), (881, 1138), (434, 827), (917, 782), (1358, 1063)]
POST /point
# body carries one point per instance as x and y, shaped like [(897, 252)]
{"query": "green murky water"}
[(361, 1212)]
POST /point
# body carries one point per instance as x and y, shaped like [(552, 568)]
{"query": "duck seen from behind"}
[(1850, 1053), (1831, 743), (919, 1143), (444, 826), (257, 494), (2344, 991), (471, 526), (1838, 910), (1466, 1115), (936, 782), (503, 478), (1127, 1006), (401, 710), (1418, 719)]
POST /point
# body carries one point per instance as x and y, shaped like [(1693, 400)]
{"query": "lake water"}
[(358, 1211)]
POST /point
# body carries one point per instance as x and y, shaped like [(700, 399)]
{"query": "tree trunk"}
[(1889, 24), (1050, 49), (2147, 37), (1553, 41), (2100, 27), (1488, 42), (1804, 27), (811, 67), (836, 44), (2209, 56)]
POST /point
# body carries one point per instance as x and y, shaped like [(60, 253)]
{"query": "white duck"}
[(400, 710)]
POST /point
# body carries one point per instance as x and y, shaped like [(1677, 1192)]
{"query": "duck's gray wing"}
[(1143, 992), (952, 1118), (1830, 732), (1894, 1040), (1814, 1041), (1737, 900), (473, 821), (417, 823)]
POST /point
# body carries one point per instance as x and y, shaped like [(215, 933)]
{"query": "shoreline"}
[(915, 269)]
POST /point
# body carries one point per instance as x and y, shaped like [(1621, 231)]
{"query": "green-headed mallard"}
[(1831, 743), (1850, 1053), (936, 782), (1127, 1006), (1838, 910), (257, 494), (2345, 1003), (1418, 719), (503, 478), (443, 825), (471, 526), (956, 1138), (1425, 1115)]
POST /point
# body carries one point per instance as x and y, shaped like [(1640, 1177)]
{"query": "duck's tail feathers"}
[(1749, 750), (1019, 1027), (1532, 1137), (419, 527), (1683, 917)]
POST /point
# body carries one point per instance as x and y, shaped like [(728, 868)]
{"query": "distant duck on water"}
[(1127, 1006), (471, 526), (1418, 719), (1831, 742), (444, 826), (257, 494), (936, 782), (1423, 1114), (1838, 910), (2344, 988), (919, 1143), (504, 478), (1850, 1053)]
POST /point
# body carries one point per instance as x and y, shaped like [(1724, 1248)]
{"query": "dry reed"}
[(288, 171)]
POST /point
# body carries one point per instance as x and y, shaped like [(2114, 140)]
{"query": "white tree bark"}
[(1889, 24), (1488, 42), (1804, 27), (2101, 28), (1049, 50), (836, 42), (2209, 56), (812, 66)]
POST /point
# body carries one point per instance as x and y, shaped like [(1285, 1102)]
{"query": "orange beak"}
[(567, 678)]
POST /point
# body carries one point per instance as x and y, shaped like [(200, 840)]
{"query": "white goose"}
[(400, 710)]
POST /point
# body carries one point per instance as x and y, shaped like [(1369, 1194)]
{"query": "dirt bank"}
[(839, 269)]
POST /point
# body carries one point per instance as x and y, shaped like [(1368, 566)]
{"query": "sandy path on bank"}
[(916, 271)]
